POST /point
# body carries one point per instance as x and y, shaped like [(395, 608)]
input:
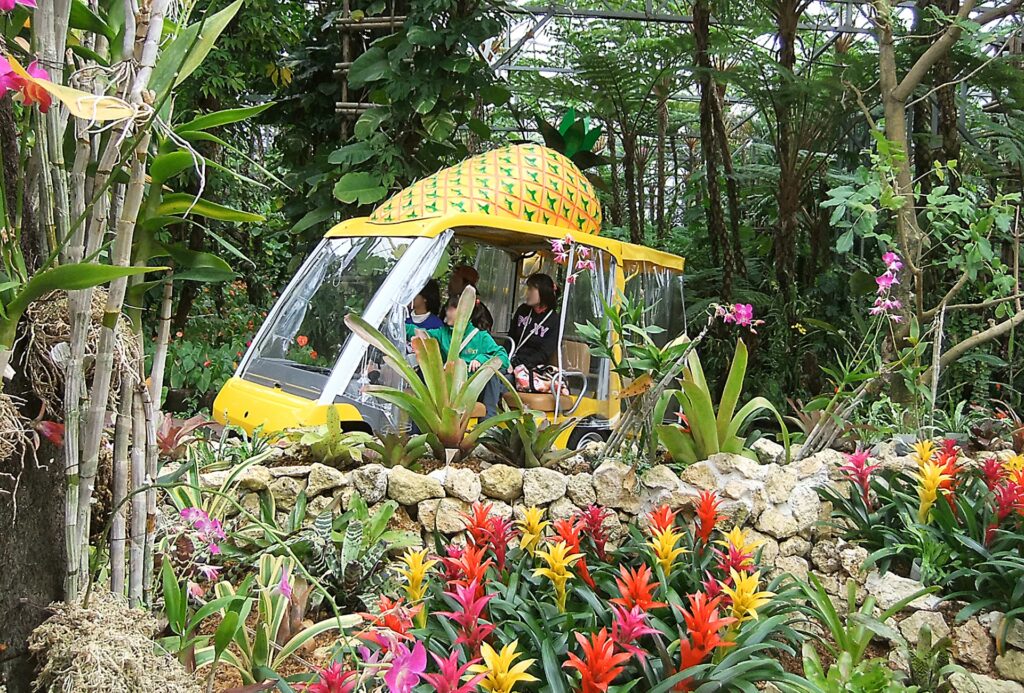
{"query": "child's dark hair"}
[(431, 293), (545, 286), (480, 317)]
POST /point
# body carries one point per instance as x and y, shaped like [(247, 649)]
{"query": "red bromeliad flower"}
[(660, 519), (600, 663), (734, 558), (1009, 499), (858, 471), (500, 531), (450, 673), (471, 608), (394, 618), (712, 587), (994, 472), (707, 515), (628, 626), (636, 589), (471, 567), (333, 679), (592, 519), (948, 458), (453, 552), (478, 523), (569, 532), (703, 628)]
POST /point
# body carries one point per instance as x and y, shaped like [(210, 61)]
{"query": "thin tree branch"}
[(934, 53)]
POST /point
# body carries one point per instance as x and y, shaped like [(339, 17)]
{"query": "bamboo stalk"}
[(137, 537), (163, 336), (151, 474), (122, 434)]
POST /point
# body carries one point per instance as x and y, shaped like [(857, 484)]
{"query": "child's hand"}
[(473, 365)]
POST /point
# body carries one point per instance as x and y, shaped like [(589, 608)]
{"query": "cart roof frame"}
[(502, 231)]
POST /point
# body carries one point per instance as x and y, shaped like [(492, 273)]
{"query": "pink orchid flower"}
[(210, 572), (406, 668), (8, 5), (892, 261), (284, 585), (886, 281)]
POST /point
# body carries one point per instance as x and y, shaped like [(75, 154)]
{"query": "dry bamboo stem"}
[(138, 520), (163, 336), (151, 474), (122, 433)]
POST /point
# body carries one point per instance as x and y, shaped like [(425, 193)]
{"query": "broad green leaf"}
[(225, 633), (733, 388), (81, 17), (351, 154), (359, 188), (166, 166), (197, 266), (369, 67), (440, 126), (189, 49), (370, 122), (225, 117), (181, 203), (312, 218)]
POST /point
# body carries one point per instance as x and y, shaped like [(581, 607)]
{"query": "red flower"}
[(471, 567), (302, 340), (628, 626), (993, 471), (948, 457), (52, 431), (1009, 499), (707, 515), (500, 531), (734, 558), (636, 589), (703, 627), (452, 566), (450, 673), (600, 663), (661, 519), (471, 608), (858, 471), (478, 523), (394, 617), (569, 532), (592, 519), (333, 679)]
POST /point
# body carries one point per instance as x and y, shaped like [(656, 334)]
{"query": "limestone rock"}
[(852, 559), (406, 487), (825, 556), (769, 548), (741, 465), (778, 521), (323, 479), (890, 588), (1010, 665), (615, 486), (580, 489), (371, 481), (910, 627), (794, 565), (964, 682), (1014, 635), (449, 515), (768, 451), (255, 478), (463, 484), (502, 482), (502, 510), (973, 646), (795, 546), (701, 475), (542, 486), (297, 471), (251, 503), (562, 509), (285, 491), (317, 506), (780, 483), (426, 512)]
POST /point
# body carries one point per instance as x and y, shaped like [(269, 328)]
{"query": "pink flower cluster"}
[(741, 314), (560, 248), (884, 302), (11, 81), (8, 5)]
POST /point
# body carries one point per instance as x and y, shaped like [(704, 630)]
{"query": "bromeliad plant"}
[(675, 608), (702, 432), (529, 441), (443, 393)]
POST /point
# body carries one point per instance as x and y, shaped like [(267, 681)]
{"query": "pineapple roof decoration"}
[(522, 181)]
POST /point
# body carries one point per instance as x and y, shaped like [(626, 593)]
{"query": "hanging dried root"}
[(14, 429), (49, 333), (107, 647)]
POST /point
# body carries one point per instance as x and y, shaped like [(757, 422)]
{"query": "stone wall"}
[(777, 502)]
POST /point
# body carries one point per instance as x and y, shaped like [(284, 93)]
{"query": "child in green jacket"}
[(478, 347)]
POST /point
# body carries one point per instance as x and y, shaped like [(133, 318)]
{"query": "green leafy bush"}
[(528, 441)]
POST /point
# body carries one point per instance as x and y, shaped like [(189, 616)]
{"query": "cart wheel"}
[(581, 437)]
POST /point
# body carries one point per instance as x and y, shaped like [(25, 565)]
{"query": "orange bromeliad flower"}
[(707, 515), (469, 567), (636, 588), (600, 663), (660, 519), (703, 627), (569, 531), (394, 616), (478, 523)]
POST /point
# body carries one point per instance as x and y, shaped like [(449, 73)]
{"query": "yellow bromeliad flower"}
[(924, 451), (415, 573), (532, 527), (738, 539), (1014, 465), (501, 675), (558, 560), (929, 480), (665, 551), (746, 600)]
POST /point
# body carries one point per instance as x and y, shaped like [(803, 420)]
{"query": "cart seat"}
[(576, 362)]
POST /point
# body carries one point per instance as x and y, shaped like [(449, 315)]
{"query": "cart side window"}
[(585, 302), (308, 331), (659, 289), (498, 285)]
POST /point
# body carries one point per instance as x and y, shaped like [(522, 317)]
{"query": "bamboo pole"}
[(163, 336), (151, 474), (122, 434), (151, 28), (137, 537)]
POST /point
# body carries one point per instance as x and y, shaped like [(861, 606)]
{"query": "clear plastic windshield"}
[(306, 333)]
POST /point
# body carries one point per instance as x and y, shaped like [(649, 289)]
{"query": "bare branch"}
[(934, 53)]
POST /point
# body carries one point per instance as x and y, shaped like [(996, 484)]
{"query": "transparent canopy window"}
[(305, 335)]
